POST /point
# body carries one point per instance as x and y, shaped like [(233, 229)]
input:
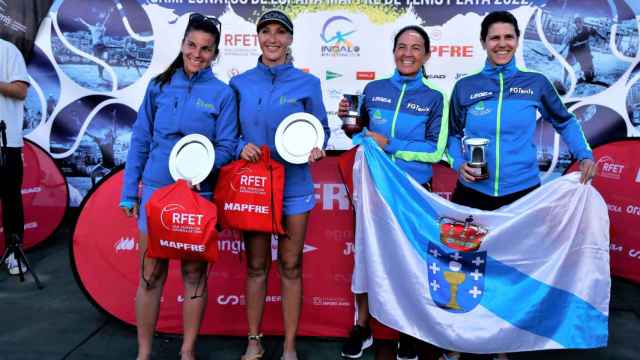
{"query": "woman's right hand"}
[(250, 152), (130, 211), (343, 107), (466, 173)]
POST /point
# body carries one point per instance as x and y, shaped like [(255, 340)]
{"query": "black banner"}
[(20, 20)]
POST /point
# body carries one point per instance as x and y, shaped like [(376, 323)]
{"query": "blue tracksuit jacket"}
[(200, 105), (409, 111), (500, 103), (267, 95)]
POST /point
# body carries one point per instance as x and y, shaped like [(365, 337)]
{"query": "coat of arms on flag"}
[(455, 270)]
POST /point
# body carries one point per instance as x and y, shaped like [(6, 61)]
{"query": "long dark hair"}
[(423, 34), (196, 22)]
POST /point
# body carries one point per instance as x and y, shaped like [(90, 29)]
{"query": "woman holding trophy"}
[(404, 115), (168, 112), (267, 94), (493, 121), (497, 107)]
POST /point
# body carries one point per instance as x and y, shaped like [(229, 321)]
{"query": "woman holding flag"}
[(500, 104), (404, 115)]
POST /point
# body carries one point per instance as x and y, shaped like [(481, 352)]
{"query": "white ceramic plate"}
[(192, 158), (297, 135)]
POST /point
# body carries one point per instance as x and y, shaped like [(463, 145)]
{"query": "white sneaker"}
[(12, 265)]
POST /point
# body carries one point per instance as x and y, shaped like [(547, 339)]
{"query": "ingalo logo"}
[(330, 75), (480, 109), (335, 35)]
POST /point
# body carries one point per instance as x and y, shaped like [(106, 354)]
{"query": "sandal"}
[(256, 355)]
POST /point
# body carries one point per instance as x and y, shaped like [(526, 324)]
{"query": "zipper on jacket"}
[(495, 185), (395, 116)]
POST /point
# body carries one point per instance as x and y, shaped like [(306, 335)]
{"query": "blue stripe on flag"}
[(566, 318)]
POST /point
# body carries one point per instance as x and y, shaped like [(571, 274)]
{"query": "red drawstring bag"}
[(182, 224), (249, 195)]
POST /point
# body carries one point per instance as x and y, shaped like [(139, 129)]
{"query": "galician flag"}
[(531, 275)]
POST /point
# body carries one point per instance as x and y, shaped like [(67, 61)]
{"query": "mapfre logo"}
[(126, 244), (608, 168), (453, 51), (337, 37)]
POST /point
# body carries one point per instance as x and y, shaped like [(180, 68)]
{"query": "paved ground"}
[(59, 322)]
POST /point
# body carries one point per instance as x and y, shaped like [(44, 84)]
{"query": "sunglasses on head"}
[(202, 19)]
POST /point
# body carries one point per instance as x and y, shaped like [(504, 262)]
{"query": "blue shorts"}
[(147, 191), (294, 205)]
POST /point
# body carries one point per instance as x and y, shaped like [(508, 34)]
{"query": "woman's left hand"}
[(588, 169), (316, 154), (380, 139)]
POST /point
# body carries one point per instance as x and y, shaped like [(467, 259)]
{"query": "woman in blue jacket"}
[(500, 103), (185, 99), (407, 116), (266, 95)]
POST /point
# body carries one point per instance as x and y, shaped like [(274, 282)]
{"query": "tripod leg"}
[(21, 257)]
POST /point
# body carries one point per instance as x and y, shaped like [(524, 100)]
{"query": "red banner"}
[(44, 196), (618, 181), (105, 255)]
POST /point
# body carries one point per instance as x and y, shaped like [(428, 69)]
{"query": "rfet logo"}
[(609, 168), (248, 183), (241, 40), (335, 35), (365, 75), (174, 214)]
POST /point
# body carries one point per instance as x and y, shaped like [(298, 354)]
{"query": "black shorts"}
[(463, 195)]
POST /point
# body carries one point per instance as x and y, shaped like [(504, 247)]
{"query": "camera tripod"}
[(13, 247), (13, 241)]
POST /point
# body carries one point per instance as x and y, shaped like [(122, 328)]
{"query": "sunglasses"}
[(202, 19)]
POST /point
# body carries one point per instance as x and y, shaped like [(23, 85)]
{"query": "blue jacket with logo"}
[(199, 105), (267, 95), (409, 112), (499, 103)]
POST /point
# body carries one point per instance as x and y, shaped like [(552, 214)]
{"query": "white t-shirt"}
[(12, 68)]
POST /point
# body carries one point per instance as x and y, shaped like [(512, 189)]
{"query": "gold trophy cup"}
[(454, 278)]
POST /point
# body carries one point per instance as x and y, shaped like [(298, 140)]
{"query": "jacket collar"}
[(272, 71), (202, 75), (509, 69), (412, 82)]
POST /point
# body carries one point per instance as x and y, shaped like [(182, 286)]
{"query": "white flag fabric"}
[(539, 279)]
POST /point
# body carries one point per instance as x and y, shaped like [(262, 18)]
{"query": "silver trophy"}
[(476, 154), (355, 105)]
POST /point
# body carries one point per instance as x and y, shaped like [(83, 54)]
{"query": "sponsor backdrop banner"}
[(105, 251), (618, 181), (44, 196), (93, 60)]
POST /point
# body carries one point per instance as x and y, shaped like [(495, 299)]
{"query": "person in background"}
[(14, 83), (500, 103), (170, 110), (266, 95), (404, 114)]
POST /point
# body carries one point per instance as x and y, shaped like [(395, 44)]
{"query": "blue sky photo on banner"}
[(93, 60)]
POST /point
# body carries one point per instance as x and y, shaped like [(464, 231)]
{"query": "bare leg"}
[(362, 300), (148, 298), (290, 266), (258, 249), (195, 302)]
